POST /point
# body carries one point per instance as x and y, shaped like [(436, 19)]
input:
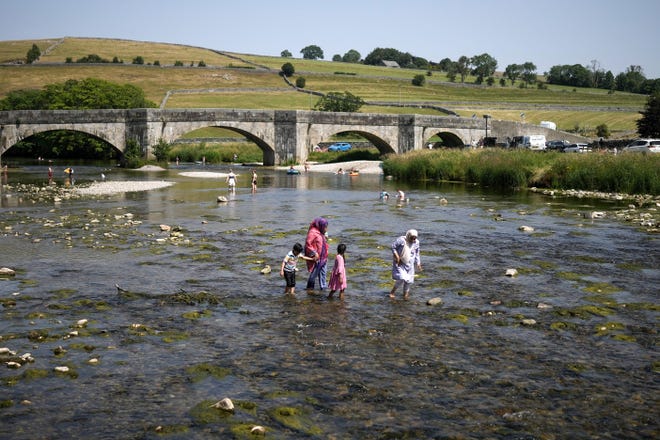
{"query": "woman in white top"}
[(405, 256)]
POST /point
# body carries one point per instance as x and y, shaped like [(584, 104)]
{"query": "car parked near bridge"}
[(340, 146), (577, 148), (643, 146), (557, 145)]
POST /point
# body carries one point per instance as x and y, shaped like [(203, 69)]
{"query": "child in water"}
[(288, 269), (338, 275)]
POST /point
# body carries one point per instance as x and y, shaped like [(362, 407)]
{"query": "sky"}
[(616, 34)]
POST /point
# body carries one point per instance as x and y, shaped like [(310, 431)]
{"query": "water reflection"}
[(566, 349)]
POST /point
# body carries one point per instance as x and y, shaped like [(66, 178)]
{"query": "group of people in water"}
[(400, 195), (231, 180), (315, 253), (405, 259)]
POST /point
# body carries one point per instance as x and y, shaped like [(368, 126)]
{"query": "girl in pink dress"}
[(338, 275)]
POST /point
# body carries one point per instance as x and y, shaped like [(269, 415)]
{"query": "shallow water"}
[(196, 321)]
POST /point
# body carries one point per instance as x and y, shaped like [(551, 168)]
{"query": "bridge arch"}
[(449, 139), (266, 148), (374, 138), (25, 136)]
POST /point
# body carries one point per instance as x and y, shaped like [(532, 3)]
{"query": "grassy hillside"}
[(252, 81)]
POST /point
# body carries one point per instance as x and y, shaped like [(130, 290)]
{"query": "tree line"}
[(482, 67)]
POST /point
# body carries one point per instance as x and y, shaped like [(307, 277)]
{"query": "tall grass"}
[(631, 173), (497, 168), (216, 153)]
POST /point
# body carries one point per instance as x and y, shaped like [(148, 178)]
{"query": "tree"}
[(631, 81), (452, 71), (574, 75), (161, 150), (92, 59), (132, 157), (418, 80), (288, 70), (463, 67), (378, 55), (483, 66), (608, 81), (89, 93), (30, 99), (649, 124), (445, 64), (603, 131), (512, 72), (420, 63), (285, 54), (138, 60), (528, 73), (339, 102), (312, 52), (352, 56), (336, 58), (33, 54), (300, 82)]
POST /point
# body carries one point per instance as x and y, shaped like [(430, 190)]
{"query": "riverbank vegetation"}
[(630, 173)]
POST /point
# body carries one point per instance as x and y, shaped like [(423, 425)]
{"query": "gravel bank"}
[(363, 166), (114, 187)]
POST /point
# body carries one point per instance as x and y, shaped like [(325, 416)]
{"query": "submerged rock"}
[(266, 269), (434, 301), (511, 272), (526, 228)]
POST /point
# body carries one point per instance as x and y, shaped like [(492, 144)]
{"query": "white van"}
[(533, 142)]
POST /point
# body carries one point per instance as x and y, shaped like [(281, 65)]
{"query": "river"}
[(155, 327)]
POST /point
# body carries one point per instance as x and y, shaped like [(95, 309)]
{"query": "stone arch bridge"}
[(283, 135)]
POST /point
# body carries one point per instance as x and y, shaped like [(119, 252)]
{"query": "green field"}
[(233, 80)]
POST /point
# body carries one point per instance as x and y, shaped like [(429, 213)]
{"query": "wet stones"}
[(7, 272), (225, 404), (434, 301)]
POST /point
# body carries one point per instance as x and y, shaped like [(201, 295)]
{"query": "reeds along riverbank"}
[(631, 173)]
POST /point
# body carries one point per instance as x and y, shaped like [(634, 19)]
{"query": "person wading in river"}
[(316, 247), (405, 256)]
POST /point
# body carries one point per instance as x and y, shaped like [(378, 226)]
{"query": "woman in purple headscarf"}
[(316, 247)]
